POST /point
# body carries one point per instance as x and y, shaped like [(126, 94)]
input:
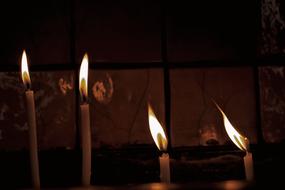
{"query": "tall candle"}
[(160, 140), (85, 122), (31, 122)]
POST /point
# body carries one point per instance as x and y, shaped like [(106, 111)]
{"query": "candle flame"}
[(240, 141), (156, 130), (25, 71), (83, 77)]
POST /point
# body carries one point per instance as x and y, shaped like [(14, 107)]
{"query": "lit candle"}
[(242, 143), (248, 166), (160, 140), (31, 122), (85, 122)]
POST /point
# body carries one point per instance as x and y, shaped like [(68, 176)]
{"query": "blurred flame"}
[(83, 77), (156, 130), (240, 141), (25, 71)]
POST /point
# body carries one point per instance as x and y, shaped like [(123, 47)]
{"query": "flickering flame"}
[(156, 130), (240, 141), (83, 78), (25, 71)]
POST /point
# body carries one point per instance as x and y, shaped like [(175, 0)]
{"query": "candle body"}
[(33, 138), (164, 168), (86, 144), (248, 166)]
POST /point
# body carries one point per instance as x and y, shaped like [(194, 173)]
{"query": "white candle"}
[(241, 142), (164, 168), (86, 144), (160, 140), (32, 123), (85, 123), (248, 166), (33, 138)]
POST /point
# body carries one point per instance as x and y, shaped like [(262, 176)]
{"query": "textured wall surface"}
[(195, 119), (272, 27), (119, 106), (272, 93), (55, 110)]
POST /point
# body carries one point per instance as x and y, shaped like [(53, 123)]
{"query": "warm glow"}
[(240, 141), (25, 71), (232, 184), (156, 130), (83, 77), (157, 186)]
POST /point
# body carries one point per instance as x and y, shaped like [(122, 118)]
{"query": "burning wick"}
[(241, 142), (31, 122), (85, 122), (160, 140)]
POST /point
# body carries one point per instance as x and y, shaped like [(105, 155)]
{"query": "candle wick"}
[(28, 86), (84, 99)]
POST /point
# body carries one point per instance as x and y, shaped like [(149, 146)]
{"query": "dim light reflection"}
[(157, 186), (231, 184)]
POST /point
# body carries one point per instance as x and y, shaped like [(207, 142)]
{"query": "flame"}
[(240, 141), (83, 77), (25, 71), (156, 130)]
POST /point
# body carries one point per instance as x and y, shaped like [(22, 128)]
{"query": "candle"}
[(241, 142), (160, 140), (248, 166), (164, 168), (31, 122), (85, 122)]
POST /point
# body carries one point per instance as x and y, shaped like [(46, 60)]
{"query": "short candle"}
[(160, 140), (241, 142)]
